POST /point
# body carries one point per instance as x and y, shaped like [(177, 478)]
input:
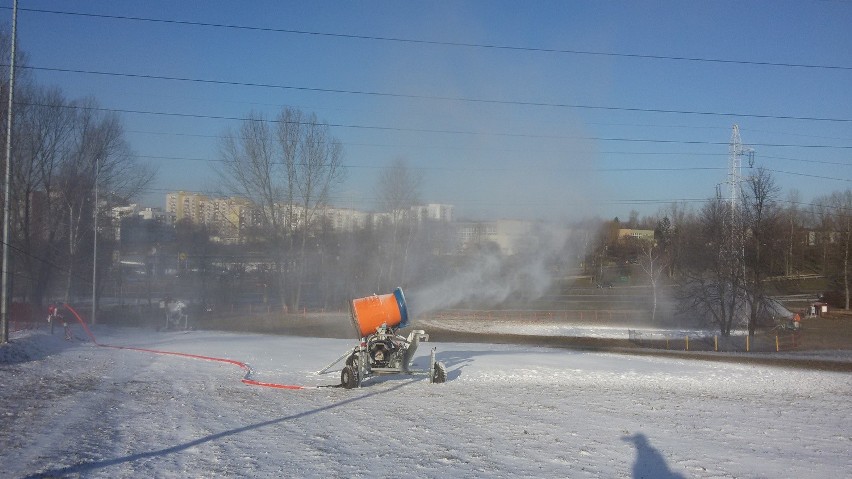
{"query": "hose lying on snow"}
[(246, 379)]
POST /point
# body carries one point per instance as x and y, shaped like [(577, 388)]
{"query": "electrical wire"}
[(441, 98), (437, 131), (347, 36), (477, 100)]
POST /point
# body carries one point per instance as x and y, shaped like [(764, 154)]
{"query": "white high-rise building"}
[(346, 219), (434, 212)]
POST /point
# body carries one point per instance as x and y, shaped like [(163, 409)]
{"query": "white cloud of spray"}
[(490, 278)]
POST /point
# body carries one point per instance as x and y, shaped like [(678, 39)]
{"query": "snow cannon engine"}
[(382, 349)]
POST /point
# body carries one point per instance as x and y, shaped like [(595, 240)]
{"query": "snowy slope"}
[(79, 410)]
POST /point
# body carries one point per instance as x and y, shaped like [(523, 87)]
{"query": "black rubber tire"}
[(439, 373), (349, 377), (352, 360)]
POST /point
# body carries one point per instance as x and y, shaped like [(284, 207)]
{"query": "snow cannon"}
[(382, 349), (370, 313)]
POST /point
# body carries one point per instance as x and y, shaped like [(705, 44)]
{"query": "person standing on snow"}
[(54, 315), (51, 316)]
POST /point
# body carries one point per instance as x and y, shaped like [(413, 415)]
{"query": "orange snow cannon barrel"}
[(371, 312)]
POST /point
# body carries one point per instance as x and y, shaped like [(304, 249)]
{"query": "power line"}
[(820, 177), (819, 162), (436, 131), (492, 46), (446, 147), (438, 98), (725, 128), (685, 154), (571, 169), (526, 168), (475, 169)]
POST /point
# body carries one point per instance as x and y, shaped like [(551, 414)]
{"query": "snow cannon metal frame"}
[(381, 349)]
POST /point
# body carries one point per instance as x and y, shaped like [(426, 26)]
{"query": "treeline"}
[(62, 151), (723, 255), (336, 265)]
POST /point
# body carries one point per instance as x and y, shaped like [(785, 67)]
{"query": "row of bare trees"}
[(61, 149), (287, 167), (723, 257)]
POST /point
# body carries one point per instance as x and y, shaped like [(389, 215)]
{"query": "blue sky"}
[(532, 148)]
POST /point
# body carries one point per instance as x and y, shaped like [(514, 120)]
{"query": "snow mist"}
[(492, 278)]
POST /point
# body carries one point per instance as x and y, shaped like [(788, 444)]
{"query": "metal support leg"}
[(341, 358), (432, 365), (362, 364)]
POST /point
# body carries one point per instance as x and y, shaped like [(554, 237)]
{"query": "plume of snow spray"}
[(492, 278)]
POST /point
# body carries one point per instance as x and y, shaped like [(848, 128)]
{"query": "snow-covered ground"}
[(555, 328), (74, 409)]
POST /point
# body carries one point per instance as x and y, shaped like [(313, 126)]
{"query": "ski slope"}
[(74, 409)]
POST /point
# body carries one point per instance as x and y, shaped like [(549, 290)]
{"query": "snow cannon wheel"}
[(439, 373), (349, 377), (352, 360)]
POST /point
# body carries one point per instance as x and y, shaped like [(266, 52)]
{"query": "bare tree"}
[(287, 173), (290, 136), (255, 167), (793, 225), (761, 218), (44, 133), (23, 85), (655, 258), (845, 214), (713, 272), (681, 219), (653, 262), (837, 210), (99, 154), (398, 192), (318, 170)]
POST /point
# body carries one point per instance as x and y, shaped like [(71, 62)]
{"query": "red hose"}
[(246, 379)]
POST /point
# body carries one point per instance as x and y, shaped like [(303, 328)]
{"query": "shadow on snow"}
[(90, 466), (650, 463)]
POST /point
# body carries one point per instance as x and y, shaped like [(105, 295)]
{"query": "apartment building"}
[(434, 212), (184, 204), (346, 219), (507, 235), (231, 216)]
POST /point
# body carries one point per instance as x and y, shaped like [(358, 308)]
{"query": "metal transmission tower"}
[(736, 151), (735, 163), (733, 221)]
